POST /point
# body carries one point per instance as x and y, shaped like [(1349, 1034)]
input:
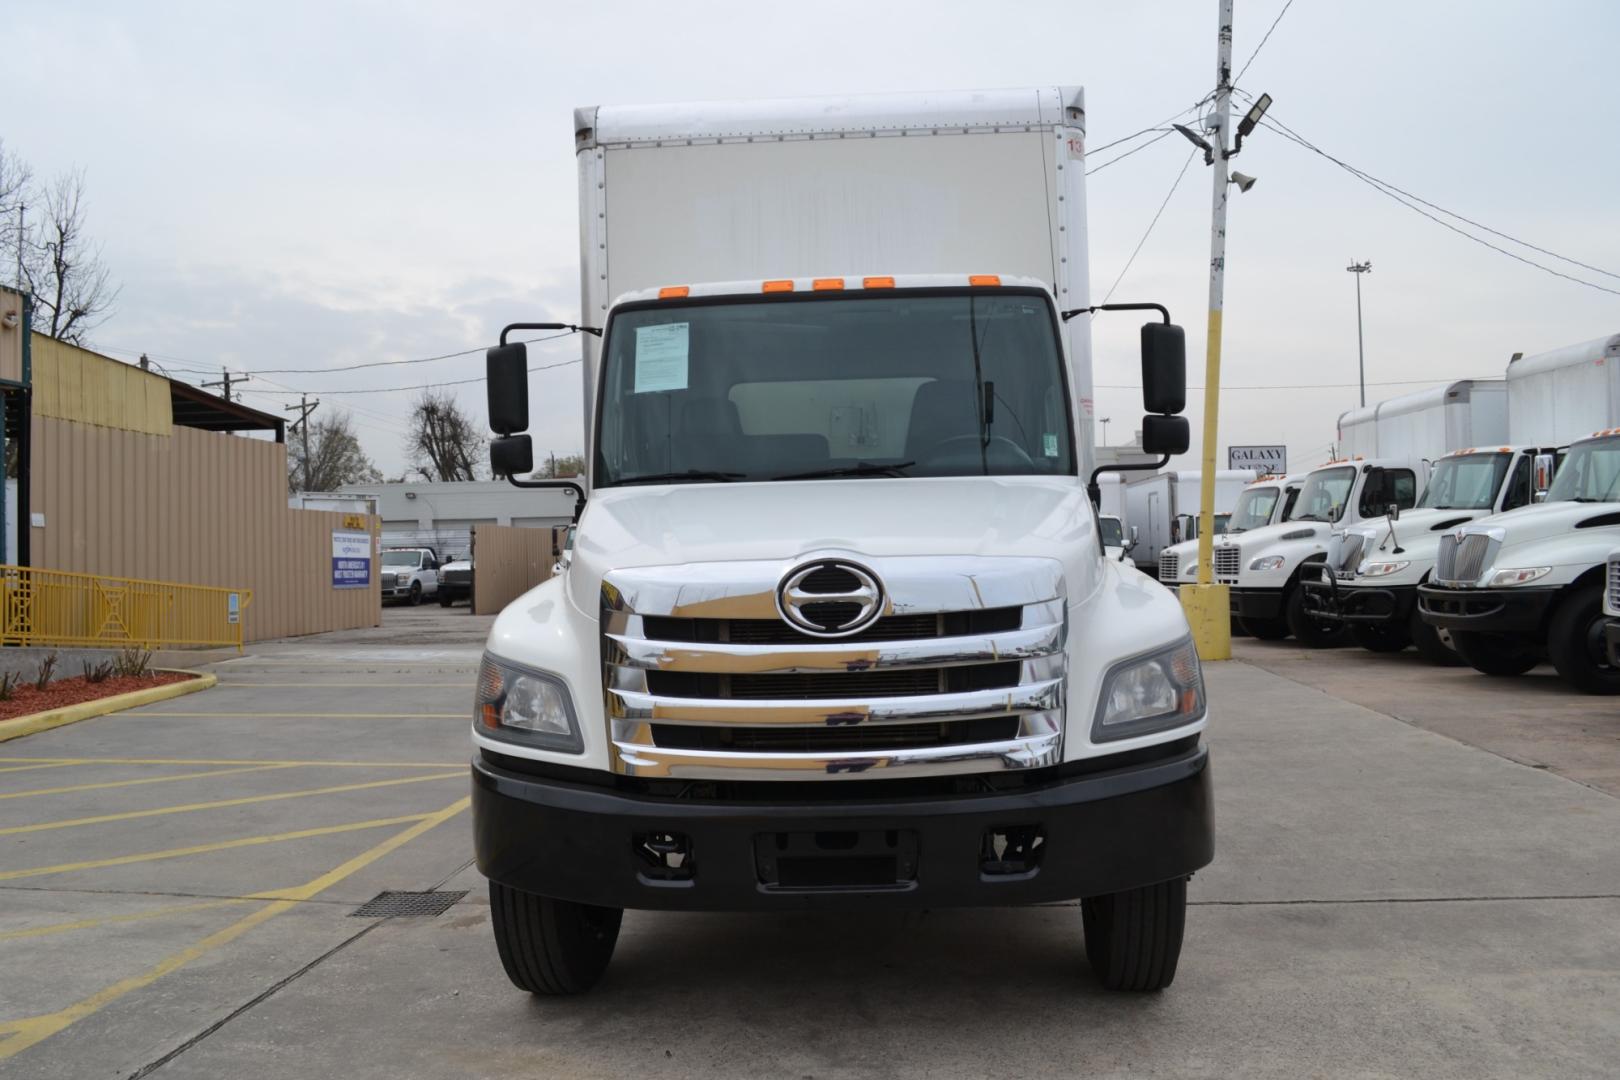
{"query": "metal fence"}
[(54, 607)]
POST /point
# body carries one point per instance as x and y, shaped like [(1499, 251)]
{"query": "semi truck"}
[(837, 630), (1264, 502), (1163, 508)]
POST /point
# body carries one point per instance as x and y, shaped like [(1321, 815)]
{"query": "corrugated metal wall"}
[(192, 506), (508, 562), (71, 383)]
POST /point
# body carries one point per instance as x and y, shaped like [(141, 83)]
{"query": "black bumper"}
[(1256, 603), (1328, 599), (1486, 611), (1101, 832), (457, 589), (1611, 636)]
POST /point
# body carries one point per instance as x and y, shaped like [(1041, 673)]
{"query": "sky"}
[(311, 185)]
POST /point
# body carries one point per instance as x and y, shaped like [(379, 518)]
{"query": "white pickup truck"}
[(409, 575)]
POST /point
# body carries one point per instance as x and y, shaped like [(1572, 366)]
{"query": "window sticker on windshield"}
[(661, 353), (1049, 445)]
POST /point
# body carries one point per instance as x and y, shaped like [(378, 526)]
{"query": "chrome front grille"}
[(1461, 562), (1611, 596), (1344, 553), (1169, 566), (456, 577), (1228, 561), (963, 673)]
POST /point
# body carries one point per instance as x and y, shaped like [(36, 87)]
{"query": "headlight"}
[(1190, 570), (1521, 576), (1267, 562), (1383, 569), (1150, 693), (525, 706), (402, 579)]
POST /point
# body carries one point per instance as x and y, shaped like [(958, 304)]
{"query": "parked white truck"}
[(1427, 423), (1163, 508), (1264, 502), (409, 575), (837, 630)]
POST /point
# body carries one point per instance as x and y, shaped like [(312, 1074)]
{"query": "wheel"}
[(1384, 638), (416, 593), (1493, 655), (1431, 643), (1133, 938), (551, 946), (1575, 643), (1308, 630), (1238, 629), (1265, 629), (445, 599)]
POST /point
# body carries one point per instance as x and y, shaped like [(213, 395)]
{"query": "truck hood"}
[(717, 523), (1417, 530), (1253, 541), (1577, 532)]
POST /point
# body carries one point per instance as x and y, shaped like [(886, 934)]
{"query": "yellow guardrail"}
[(56, 607)]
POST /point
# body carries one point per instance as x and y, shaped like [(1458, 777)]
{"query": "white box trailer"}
[(1428, 423), (1558, 396), (1163, 508)]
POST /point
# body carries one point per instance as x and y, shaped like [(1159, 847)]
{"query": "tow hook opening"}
[(1012, 852), (664, 856)]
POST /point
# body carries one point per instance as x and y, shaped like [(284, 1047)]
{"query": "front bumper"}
[(458, 589), (1257, 603), (1327, 599), (579, 839), (1611, 637), (1486, 611)]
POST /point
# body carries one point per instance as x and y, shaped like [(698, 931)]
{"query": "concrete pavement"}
[(1386, 901)]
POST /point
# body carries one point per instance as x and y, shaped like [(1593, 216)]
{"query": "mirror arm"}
[(1094, 489), (549, 326), (1163, 311), (566, 485)]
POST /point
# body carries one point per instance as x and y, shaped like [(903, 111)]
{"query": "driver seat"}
[(943, 409)]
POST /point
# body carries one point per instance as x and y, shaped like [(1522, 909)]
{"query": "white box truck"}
[(1163, 508), (1428, 423), (837, 630), (1264, 502)]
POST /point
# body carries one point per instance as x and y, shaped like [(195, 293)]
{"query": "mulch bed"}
[(26, 700)]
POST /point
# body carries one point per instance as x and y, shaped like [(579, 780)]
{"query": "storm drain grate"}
[(406, 905)]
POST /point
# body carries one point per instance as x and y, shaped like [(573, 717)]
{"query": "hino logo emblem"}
[(830, 598)]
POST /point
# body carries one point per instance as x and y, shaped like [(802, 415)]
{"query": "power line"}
[(1263, 40), (424, 386), (1135, 150), (1152, 223), (1156, 127)]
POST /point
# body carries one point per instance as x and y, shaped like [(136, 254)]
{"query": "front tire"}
[(551, 946), (1576, 646), (416, 594), (1265, 629), (1492, 655), (1133, 938), (445, 599), (1308, 630), (1430, 644), (1380, 638)]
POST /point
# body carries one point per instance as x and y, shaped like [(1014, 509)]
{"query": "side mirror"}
[(1335, 513), (506, 379), (1130, 544), (1393, 511), (511, 455), (1165, 434), (1164, 369), (1545, 466)]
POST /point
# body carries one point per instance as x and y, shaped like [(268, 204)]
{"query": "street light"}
[(1361, 356), (1104, 423)]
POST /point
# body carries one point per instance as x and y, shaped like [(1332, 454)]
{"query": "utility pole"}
[(301, 425), (1359, 268), (1104, 423), (22, 237), (226, 379)]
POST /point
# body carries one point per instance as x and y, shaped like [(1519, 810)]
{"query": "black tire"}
[(551, 946), (1265, 629), (1133, 938), (1380, 637), (1491, 655), (445, 599), (1429, 643), (1575, 643), (1238, 629), (1312, 632), (416, 594)]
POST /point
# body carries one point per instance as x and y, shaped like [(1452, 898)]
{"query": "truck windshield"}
[(1113, 533), (891, 384), (1324, 491), (401, 558), (1467, 482), (1253, 509), (1590, 473)]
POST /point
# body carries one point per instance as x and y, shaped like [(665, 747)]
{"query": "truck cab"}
[(409, 575), (1265, 566), (1521, 587), (1264, 502), (1370, 577), (1114, 541)]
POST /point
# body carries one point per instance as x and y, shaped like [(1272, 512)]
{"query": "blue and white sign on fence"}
[(351, 559)]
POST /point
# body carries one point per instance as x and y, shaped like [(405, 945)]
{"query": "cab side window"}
[(1518, 493), (1398, 486)]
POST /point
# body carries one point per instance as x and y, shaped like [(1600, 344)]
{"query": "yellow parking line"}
[(201, 849), (111, 920), (28, 1032), (25, 768), (306, 715), (243, 761), (220, 804), (131, 783)]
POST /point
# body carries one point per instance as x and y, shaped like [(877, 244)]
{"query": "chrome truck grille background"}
[(1344, 553), (959, 667), (1464, 556), (1611, 604), (1169, 567), (1228, 561)]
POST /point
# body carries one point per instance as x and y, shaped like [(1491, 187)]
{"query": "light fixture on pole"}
[(1359, 268), (1104, 423)]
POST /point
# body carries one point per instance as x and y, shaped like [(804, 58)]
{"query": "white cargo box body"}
[(966, 182), (1153, 503), (1559, 396), (1428, 423)]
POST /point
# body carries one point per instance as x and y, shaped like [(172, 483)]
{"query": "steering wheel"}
[(999, 447)]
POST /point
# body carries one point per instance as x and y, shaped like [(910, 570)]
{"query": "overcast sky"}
[(305, 185)]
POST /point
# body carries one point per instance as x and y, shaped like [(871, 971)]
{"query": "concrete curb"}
[(18, 726)]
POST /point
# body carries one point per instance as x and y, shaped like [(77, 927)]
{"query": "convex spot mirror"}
[(511, 455), (1164, 368), (1165, 435), (506, 378)]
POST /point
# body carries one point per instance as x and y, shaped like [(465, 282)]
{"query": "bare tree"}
[(566, 465), (443, 441), (71, 287), (335, 457), (16, 181)]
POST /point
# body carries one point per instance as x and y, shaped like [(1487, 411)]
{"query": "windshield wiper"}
[(860, 468), (676, 477)]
